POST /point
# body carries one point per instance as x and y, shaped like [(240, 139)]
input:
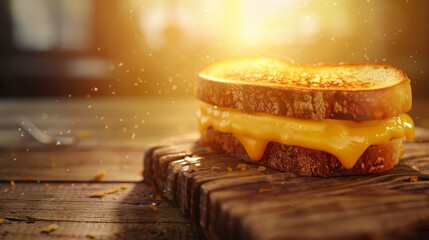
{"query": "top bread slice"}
[(331, 91)]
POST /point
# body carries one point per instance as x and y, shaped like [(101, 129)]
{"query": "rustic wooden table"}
[(93, 189), (42, 185)]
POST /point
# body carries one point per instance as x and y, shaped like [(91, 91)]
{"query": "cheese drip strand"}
[(346, 140)]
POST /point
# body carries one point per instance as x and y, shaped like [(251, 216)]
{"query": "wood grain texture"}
[(250, 204), (114, 133), (28, 207)]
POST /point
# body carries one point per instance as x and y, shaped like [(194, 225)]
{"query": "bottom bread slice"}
[(309, 162)]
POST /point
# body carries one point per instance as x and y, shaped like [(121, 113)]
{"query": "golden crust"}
[(279, 90), (308, 162)]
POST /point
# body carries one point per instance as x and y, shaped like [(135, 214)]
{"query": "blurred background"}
[(141, 47)]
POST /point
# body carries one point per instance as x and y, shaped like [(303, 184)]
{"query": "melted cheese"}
[(346, 140)]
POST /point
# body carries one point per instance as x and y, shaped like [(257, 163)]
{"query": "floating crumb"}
[(158, 197), (98, 194), (229, 169), (49, 228), (91, 235), (414, 167), (6, 190), (153, 208), (192, 168), (414, 178), (2, 220), (100, 175), (124, 186), (12, 183), (262, 168), (214, 168), (263, 190)]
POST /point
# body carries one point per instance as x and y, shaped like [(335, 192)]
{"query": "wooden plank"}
[(28, 207), (71, 165), (73, 202), (274, 205), (13, 230)]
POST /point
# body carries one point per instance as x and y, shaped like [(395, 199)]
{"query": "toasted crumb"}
[(262, 190), (124, 186), (47, 185), (100, 175), (229, 169), (153, 208), (98, 194), (6, 190), (192, 168), (214, 168), (198, 156), (91, 235), (158, 197), (262, 168), (12, 183), (192, 159), (2, 220), (242, 166), (414, 167), (414, 178), (113, 190), (49, 228)]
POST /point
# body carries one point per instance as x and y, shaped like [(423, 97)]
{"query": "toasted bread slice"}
[(309, 162), (279, 87)]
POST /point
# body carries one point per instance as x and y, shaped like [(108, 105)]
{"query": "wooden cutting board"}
[(229, 200)]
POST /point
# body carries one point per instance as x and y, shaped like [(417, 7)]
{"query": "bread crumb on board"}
[(242, 166), (414, 178), (229, 169), (100, 175), (2, 220), (6, 190), (50, 228), (263, 190), (192, 168), (91, 235), (153, 208), (214, 168), (12, 183), (262, 168), (102, 193), (113, 190), (98, 194), (415, 168)]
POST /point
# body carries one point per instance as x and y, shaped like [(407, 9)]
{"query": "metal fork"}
[(44, 138)]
